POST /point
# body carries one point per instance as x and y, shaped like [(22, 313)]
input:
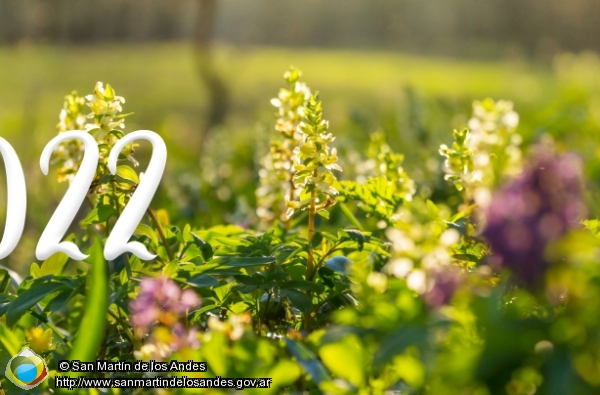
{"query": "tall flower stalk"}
[(483, 155), (70, 153), (314, 162), (276, 176)]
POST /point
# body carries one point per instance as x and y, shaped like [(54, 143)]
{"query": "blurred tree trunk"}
[(218, 93)]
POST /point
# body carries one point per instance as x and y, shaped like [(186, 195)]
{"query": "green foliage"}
[(89, 338), (373, 284)]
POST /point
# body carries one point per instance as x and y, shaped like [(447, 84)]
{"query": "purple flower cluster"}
[(445, 282), (532, 211), (160, 300)]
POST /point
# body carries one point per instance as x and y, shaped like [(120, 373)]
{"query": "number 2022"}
[(50, 240)]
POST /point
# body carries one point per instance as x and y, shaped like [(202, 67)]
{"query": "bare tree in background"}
[(217, 90)]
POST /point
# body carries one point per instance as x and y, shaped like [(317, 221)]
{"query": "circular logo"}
[(26, 370)]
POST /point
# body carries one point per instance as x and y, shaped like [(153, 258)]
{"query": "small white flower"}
[(400, 267), (511, 119), (400, 242), (483, 197), (417, 281), (450, 237)]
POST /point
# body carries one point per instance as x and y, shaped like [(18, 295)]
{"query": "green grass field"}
[(161, 80), (362, 91)]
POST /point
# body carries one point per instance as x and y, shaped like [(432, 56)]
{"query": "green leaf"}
[(254, 280), (212, 351), (205, 248), (433, 209), (91, 334), (299, 300), (223, 291), (204, 309), (52, 266), (117, 133), (171, 269), (303, 285), (59, 300), (238, 308), (11, 342), (308, 360), (203, 280), (345, 359), (349, 215), (4, 280), (187, 234), (284, 373), (28, 299), (99, 214), (123, 277), (333, 238), (466, 257), (34, 270), (316, 240), (128, 174), (244, 261), (109, 92), (395, 343), (357, 236), (191, 253), (287, 255), (145, 230), (119, 116), (323, 213)]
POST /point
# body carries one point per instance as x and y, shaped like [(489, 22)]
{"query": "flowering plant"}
[(361, 282)]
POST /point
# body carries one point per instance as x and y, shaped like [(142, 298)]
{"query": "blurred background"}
[(202, 72)]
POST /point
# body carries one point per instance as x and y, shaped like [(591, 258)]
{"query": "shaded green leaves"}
[(298, 299), (99, 214), (308, 360), (204, 247), (345, 359), (203, 280), (28, 299), (145, 230), (51, 266), (355, 235)]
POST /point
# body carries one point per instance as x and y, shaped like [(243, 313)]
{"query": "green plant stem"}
[(321, 303), (350, 216), (310, 268), (127, 267), (328, 253), (161, 234), (311, 232), (102, 354), (288, 222), (264, 315), (134, 340)]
